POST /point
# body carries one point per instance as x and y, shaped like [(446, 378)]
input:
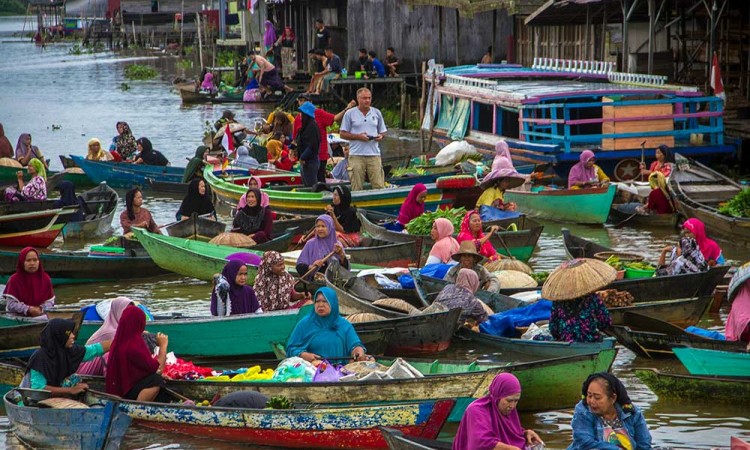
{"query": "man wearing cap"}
[(468, 258), (364, 127), (323, 119)]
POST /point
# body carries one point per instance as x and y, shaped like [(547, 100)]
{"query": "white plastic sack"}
[(535, 330), (454, 152)]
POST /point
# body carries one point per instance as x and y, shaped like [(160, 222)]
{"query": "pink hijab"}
[(208, 82), (486, 250), (106, 332), (264, 201), (502, 149), (579, 172), (483, 426), (739, 316), (446, 245), (709, 247), (468, 279), (411, 209)]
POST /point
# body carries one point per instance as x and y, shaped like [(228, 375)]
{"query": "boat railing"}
[(461, 81), (597, 68)]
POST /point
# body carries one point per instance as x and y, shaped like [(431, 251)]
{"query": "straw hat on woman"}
[(578, 314), (469, 258)]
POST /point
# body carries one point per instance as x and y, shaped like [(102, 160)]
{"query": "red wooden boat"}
[(33, 228)]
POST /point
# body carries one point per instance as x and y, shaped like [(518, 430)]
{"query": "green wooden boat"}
[(714, 363), (79, 180), (565, 205), (692, 388)]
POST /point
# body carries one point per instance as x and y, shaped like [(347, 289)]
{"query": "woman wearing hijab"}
[(324, 243), (58, 358), (324, 334), (25, 152), (148, 156), (412, 208), (106, 332), (197, 201), (132, 373), (274, 148), (344, 217), (194, 168), (231, 294), (207, 84), (659, 199), (663, 163), (445, 245), (135, 215), (254, 183), (6, 148), (126, 145), (96, 152), (738, 294), (606, 418), (35, 189), (708, 247), (68, 197), (461, 295), (688, 259), (254, 219), (586, 173), (274, 286), (502, 177), (29, 290), (471, 230), (244, 160), (269, 36), (308, 145), (492, 422), (288, 63)]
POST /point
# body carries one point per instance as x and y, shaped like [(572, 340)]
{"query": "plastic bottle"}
[(343, 73)]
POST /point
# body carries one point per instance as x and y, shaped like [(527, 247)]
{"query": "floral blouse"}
[(36, 189), (579, 320)]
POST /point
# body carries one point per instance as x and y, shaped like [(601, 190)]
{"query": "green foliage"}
[(392, 117), (226, 58), (12, 8), (738, 206), (124, 87), (185, 64), (405, 171), (540, 277), (640, 265), (279, 402), (139, 72), (422, 225), (76, 49)]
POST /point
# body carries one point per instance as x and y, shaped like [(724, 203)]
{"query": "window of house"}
[(482, 117)]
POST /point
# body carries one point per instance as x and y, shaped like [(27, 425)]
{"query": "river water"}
[(64, 99)]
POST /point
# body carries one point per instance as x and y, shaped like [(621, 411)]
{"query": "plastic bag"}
[(430, 270), (453, 153), (251, 95), (327, 372), (536, 330), (294, 369), (255, 374)]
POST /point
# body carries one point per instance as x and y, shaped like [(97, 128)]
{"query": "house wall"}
[(144, 6)]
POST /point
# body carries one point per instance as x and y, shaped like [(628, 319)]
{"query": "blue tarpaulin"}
[(505, 323)]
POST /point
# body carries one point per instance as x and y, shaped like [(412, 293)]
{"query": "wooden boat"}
[(236, 175), (520, 243), (716, 363), (427, 288), (8, 176), (536, 349), (396, 440), (700, 284), (413, 334), (699, 192), (565, 205), (99, 205), (189, 94), (617, 215), (34, 228), (20, 337), (196, 227), (387, 200), (653, 338), (683, 312), (125, 175), (691, 388), (375, 252), (98, 427), (313, 426), (544, 120)]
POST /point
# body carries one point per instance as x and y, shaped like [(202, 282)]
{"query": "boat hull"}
[(681, 312), (694, 389), (704, 362), (126, 175), (659, 345), (643, 220), (35, 228), (98, 222), (566, 205), (537, 349)]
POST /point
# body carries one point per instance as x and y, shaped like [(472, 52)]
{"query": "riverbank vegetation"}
[(12, 7), (139, 72)]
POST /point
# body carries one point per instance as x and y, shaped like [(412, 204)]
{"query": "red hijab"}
[(486, 249), (32, 289), (129, 358)]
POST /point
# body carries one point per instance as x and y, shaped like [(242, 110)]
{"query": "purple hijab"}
[(483, 426), (269, 38), (579, 173), (317, 248), (242, 298)]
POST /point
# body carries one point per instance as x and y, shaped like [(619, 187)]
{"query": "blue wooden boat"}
[(126, 175), (715, 363), (99, 426), (537, 349), (551, 111)]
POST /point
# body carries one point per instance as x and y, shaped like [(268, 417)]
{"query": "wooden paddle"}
[(643, 156), (303, 239), (314, 268)]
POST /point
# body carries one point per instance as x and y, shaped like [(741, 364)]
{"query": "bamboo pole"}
[(200, 40)]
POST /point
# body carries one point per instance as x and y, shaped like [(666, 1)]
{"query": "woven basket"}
[(508, 264), (576, 278), (62, 403), (624, 257), (396, 304), (364, 317), (233, 240), (513, 279)]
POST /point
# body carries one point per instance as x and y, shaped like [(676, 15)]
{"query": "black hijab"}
[(68, 198), (615, 386), (309, 138), (249, 219), (53, 360), (194, 202), (345, 213), (150, 156)]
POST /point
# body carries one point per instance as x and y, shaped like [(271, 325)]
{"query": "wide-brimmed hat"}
[(576, 278), (308, 108), (740, 276), (468, 248), (502, 167)]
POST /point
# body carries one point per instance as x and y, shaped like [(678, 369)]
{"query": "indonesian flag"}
[(251, 5), (226, 141), (716, 83)]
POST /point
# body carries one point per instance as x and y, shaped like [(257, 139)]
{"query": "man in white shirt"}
[(364, 127)]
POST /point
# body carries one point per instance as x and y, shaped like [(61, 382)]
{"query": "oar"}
[(624, 221), (314, 268), (304, 236), (505, 246)]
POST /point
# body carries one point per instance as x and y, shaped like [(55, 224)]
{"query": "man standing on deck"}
[(364, 127)]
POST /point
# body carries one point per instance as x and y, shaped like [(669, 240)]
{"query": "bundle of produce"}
[(540, 277), (738, 206), (422, 225), (613, 298), (640, 265)]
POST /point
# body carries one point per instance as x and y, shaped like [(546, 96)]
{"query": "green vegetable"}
[(615, 262), (404, 171), (422, 225), (738, 206), (540, 277), (279, 402), (640, 266)]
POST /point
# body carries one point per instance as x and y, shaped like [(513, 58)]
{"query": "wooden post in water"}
[(200, 41)]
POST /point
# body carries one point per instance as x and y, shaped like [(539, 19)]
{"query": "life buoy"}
[(627, 169), (456, 182)]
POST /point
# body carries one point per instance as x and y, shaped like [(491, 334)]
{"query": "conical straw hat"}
[(233, 240), (508, 264), (576, 278), (513, 279)]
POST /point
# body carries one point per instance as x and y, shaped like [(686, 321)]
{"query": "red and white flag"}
[(716, 83), (251, 5), (226, 141)]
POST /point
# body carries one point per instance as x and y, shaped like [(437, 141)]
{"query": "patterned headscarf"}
[(273, 291)]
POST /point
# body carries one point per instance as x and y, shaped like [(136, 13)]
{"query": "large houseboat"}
[(552, 111)]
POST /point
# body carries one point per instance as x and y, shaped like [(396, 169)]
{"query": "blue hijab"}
[(330, 336)]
